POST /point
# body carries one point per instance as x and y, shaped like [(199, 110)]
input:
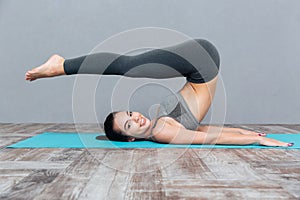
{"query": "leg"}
[(200, 89), (199, 97), (150, 64)]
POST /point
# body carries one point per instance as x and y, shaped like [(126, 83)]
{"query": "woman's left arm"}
[(227, 129)]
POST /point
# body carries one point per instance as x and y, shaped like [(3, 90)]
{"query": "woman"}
[(179, 115)]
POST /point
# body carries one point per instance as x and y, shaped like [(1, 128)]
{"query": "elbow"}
[(210, 138)]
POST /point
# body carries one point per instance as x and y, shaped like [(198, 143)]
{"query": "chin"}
[(147, 123), (146, 126)]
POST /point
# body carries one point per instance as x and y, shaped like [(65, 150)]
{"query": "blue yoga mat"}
[(87, 140)]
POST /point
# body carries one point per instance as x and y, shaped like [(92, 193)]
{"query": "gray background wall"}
[(258, 41)]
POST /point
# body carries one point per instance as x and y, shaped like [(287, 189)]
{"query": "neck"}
[(148, 132)]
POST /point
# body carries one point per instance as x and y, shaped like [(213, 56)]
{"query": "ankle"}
[(58, 68), (61, 69)]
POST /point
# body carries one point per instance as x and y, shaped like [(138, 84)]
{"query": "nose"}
[(136, 118)]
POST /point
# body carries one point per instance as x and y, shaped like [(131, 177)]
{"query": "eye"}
[(129, 121), (128, 126)]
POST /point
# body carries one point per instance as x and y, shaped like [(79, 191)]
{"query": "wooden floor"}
[(145, 173)]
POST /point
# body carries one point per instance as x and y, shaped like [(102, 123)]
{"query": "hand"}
[(248, 132), (272, 142)]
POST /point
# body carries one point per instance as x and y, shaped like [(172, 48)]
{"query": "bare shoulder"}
[(168, 131), (164, 127)]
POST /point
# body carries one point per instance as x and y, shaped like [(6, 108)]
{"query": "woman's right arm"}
[(176, 135)]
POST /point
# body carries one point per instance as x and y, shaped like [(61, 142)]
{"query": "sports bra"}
[(175, 106)]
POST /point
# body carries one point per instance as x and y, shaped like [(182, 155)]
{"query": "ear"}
[(131, 139)]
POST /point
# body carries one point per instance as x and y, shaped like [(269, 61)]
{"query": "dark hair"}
[(110, 133)]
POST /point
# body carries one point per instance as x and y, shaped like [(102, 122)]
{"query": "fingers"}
[(248, 132), (259, 133), (262, 134), (291, 144), (273, 142)]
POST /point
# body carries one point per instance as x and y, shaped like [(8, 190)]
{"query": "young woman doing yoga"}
[(179, 115)]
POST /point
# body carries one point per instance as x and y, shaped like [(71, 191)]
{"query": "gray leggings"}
[(204, 67)]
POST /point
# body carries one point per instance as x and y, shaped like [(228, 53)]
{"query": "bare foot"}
[(271, 142), (53, 67)]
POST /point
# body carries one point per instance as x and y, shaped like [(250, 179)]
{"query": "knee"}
[(211, 50)]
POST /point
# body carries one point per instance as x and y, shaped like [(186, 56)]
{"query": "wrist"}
[(239, 130), (259, 139)]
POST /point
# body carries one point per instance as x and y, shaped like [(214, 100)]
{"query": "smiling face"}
[(132, 124)]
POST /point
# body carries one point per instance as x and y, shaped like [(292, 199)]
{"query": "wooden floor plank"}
[(12, 154), (91, 128), (69, 154), (4, 142), (269, 128), (7, 182), (228, 189), (97, 128), (38, 154), (9, 177), (33, 128), (16, 128), (145, 177), (295, 127), (111, 175), (31, 185), (184, 163), (71, 181), (7, 135), (229, 166), (32, 165), (4, 127)]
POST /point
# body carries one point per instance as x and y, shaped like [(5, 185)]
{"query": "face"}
[(132, 124)]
